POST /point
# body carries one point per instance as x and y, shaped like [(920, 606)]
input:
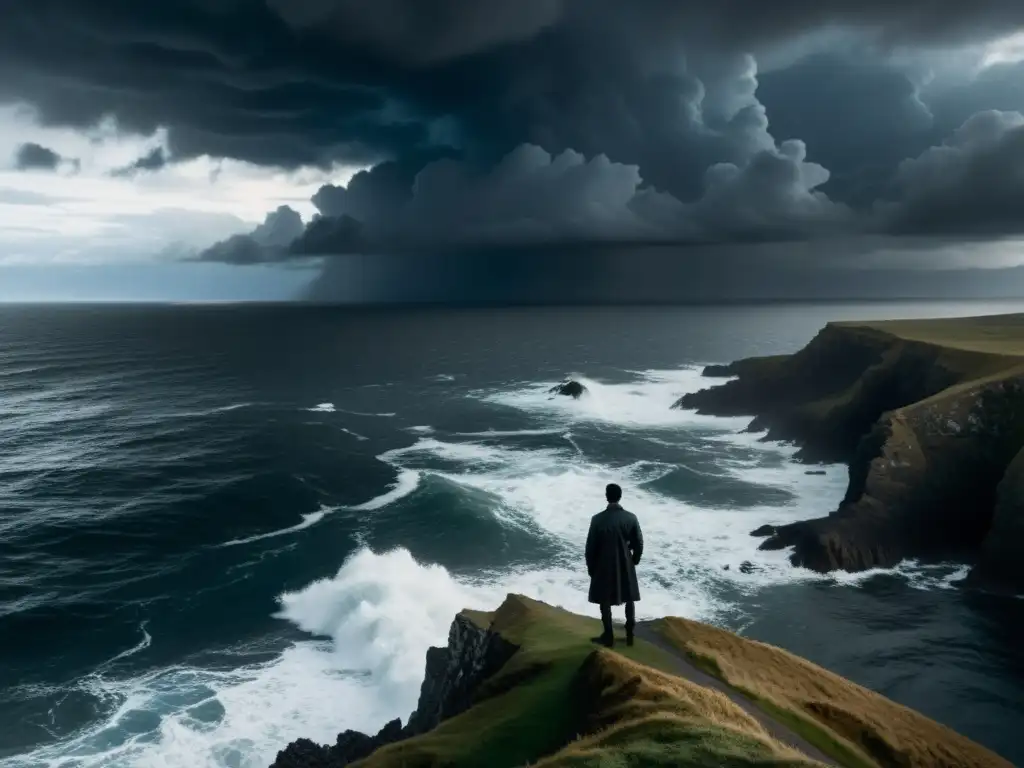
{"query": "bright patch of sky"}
[(1008, 50), (84, 212)]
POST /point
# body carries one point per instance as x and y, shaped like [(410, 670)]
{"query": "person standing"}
[(614, 547)]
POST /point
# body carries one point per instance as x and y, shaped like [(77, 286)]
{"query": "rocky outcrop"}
[(927, 430), (1002, 552), (453, 675), (569, 388)]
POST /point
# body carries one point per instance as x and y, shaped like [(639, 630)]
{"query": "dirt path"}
[(685, 669)]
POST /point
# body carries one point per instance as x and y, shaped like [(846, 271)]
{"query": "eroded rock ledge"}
[(927, 428), (452, 676)]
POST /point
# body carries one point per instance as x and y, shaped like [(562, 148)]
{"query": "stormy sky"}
[(541, 150)]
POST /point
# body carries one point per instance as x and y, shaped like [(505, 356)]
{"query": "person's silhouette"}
[(614, 547)]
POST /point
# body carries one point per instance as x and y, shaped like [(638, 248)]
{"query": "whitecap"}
[(421, 429), (407, 482), (308, 521), (143, 644)]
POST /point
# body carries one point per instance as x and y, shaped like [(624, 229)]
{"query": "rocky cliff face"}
[(452, 676), (927, 431), (1002, 550)]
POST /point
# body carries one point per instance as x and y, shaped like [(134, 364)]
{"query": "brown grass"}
[(636, 715), (890, 735)]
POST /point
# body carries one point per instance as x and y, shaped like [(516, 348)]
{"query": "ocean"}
[(223, 527)]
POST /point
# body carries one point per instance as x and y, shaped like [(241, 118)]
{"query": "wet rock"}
[(748, 567), (815, 472), (570, 388), (718, 371)]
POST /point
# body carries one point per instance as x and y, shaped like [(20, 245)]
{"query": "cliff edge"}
[(928, 414), (525, 686)]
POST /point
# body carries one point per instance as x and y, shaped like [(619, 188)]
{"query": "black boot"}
[(606, 638), (630, 622)]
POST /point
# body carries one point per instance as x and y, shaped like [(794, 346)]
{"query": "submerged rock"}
[(815, 472), (570, 388), (748, 567)]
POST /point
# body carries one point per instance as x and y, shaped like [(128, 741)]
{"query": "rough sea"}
[(226, 527)]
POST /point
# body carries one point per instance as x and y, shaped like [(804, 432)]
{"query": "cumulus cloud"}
[(774, 196), (531, 197), (268, 242), (973, 183)]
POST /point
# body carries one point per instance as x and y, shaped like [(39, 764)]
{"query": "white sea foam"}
[(407, 482), (356, 435), (645, 402), (209, 411), (332, 408), (917, 575), (143, 644), (308, 521), (211, 719), (232, 407), (421, 429), (509, 433)]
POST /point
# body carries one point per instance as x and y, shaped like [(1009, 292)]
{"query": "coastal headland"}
[(929, 417)]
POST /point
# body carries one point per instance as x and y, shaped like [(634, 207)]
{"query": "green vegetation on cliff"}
[(927, 413), (562, 702)]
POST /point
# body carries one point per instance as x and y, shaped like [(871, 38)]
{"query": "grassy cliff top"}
[(562, 702), (994, 334)]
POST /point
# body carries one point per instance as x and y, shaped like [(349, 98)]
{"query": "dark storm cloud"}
[(422, 32), (858, 116), (331, 236), (516, 123), (31, 156), (152, 161), (972, 184), (314, 81), (531, 197)]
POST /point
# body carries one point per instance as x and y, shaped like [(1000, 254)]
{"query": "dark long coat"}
[(614, 547)]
